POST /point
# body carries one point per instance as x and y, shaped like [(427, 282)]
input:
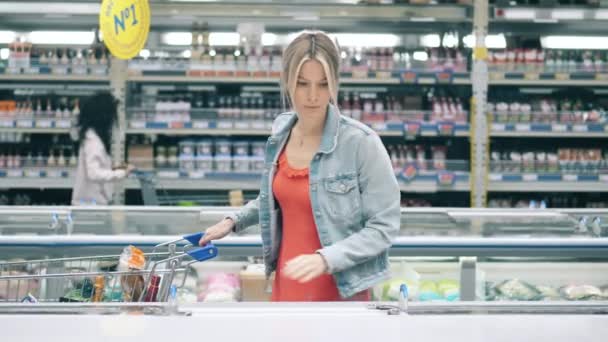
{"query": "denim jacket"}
[(355, 200)]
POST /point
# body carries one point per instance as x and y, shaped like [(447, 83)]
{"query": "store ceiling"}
[(286, 16)]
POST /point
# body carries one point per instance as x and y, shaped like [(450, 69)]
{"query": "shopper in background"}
[(95, 174), (329, 200)]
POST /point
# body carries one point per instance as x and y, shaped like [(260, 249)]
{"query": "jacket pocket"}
[(343, 198)]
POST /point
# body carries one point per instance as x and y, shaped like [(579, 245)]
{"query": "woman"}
[(94, 175), (329, 200)]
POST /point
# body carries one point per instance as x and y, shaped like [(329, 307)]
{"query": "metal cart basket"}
[(97, 279)]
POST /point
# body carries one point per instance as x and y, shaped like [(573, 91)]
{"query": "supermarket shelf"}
[(35, 126), (432, 182), (246, 129), (427, 182), (372, 78), (550, 130), (552, 182), (555, 19), (54, 78), (36, 179), (530, 78)]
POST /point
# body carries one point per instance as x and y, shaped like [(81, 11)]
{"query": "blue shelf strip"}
[(547, 177)]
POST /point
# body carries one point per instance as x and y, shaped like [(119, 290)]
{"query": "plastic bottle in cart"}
[(152, 290), (98, 289)]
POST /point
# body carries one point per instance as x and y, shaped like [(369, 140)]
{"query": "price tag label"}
[(604, 178), (446, 178), (63, 124), (570, 178), (530, 177), (44, 123), (499, 127), (384, 75), (176, 125), (379, 126), (168, 174), (561, 76), (138, 124), (497, 76), (15, 173), (495, 177), (225, 125), (522, 127), (409, 77), (54, 174), (242, 125), (359, 73), (32, 173), (25, 123), (200, 124), (531, 76), (580, 128), (559, 128), (197, 174)]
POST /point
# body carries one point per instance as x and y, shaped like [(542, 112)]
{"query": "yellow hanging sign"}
[(125, 25)]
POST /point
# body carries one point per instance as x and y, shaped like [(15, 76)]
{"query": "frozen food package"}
[(581, 292), (428, 291), (548, 292), (449, 289), (221, 287), (516, 289)]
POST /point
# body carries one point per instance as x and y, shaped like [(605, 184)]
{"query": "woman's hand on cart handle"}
[(217, 231)]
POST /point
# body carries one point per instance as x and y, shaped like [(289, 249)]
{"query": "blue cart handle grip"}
[(203, 253), (194, 238)]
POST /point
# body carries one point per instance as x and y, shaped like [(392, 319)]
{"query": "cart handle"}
[(194, 238), (207, 252)]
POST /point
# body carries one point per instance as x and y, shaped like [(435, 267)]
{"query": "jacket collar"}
[(331, 129)]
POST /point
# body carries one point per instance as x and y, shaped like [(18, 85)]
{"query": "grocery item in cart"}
[(132, 259)]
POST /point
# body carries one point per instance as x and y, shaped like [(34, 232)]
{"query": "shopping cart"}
[(96, 278), (153, 194)]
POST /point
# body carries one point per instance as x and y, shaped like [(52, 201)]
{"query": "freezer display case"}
[(479, 274), (441, 254)]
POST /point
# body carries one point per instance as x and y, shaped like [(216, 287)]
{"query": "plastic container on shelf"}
[(204, 148), (187, 148), (258, 148), (204, 163), (241, 163), (223, 163), (241, 148), (256, 164), (223, 147), (187, 163)]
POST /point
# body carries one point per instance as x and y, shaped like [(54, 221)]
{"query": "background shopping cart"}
[(97, 278), (153, 194)]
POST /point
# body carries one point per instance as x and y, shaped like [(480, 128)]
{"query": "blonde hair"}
[(306, 46)]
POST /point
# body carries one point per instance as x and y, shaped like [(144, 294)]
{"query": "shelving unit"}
[(405, 21)]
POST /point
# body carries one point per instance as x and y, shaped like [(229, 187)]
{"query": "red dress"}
[(291, 189)]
